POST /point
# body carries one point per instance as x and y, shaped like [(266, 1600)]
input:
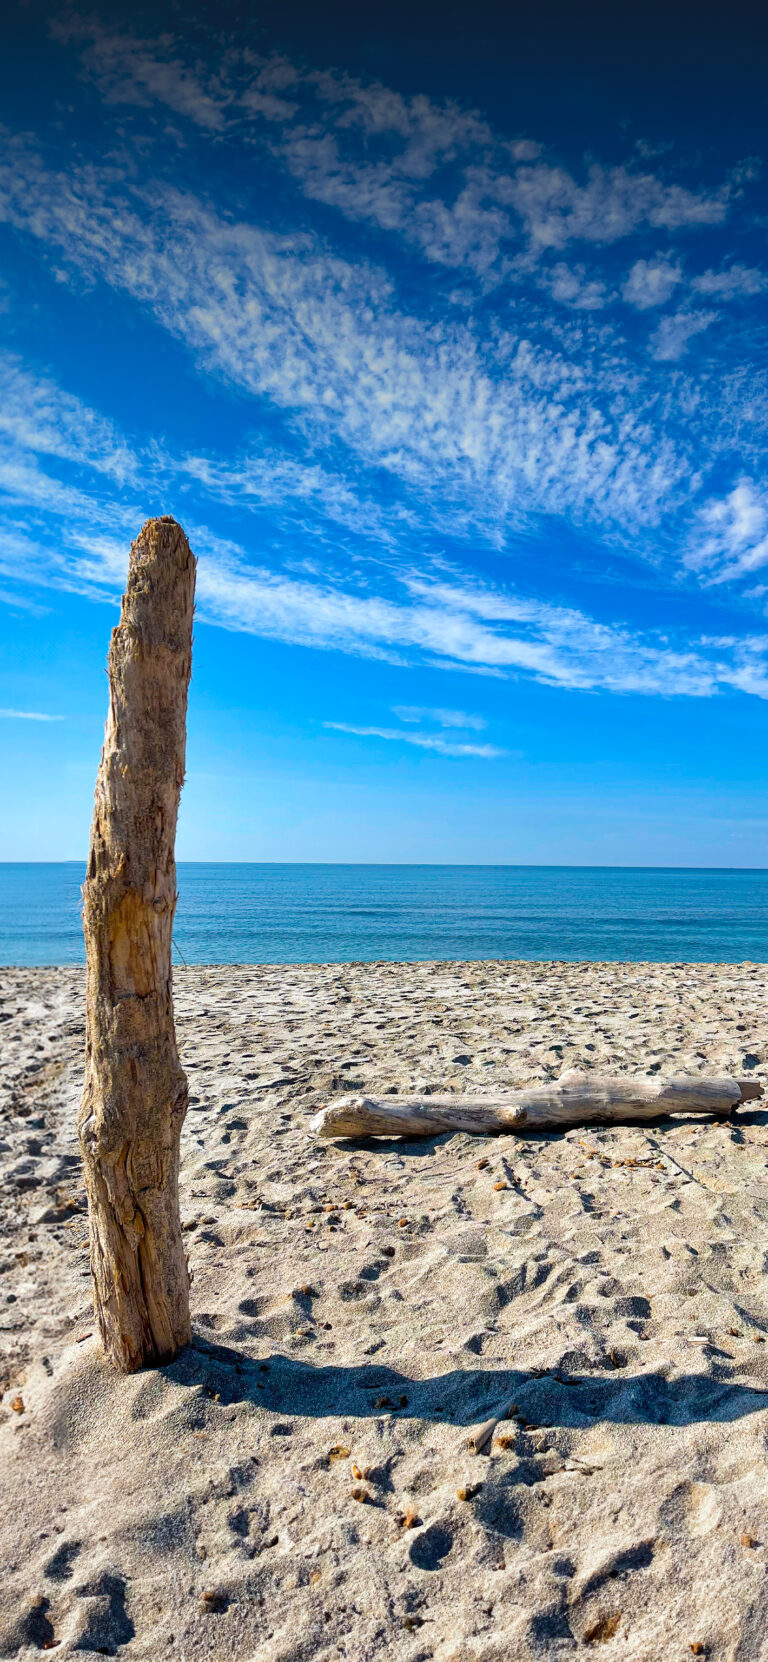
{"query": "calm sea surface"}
[(290, 914)]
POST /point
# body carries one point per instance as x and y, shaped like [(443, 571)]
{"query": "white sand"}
[(201, 1512)]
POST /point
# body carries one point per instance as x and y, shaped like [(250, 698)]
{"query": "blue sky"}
[(445, 339)]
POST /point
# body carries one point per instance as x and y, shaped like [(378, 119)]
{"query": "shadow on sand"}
[(286, 1386), (417, 1148)]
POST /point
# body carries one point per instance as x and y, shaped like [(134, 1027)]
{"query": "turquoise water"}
[(289, 914)]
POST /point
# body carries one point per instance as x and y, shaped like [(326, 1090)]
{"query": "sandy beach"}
[(299, 1483)]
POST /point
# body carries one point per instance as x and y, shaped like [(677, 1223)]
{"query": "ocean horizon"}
[(284, 913)]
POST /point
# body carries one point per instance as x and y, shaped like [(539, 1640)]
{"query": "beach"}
[(299, 1483)]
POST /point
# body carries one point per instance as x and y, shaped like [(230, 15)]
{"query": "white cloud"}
[(443, 718), (36, 415), (484, 433), (447, 624), (503, 196), (307, 489), (444, 625), (424, 741), (651, 282), (609, 205), (736, 281), (461, 627), (28, 715), (131, 71), (451, 623), (375, 155), (19, 602), (403, 427), (572, 286), (24, 481), (480, 430), (733, 536), (674, 334)]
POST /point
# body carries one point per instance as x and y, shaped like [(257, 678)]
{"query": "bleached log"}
[(135, 1094), (575, 1099)]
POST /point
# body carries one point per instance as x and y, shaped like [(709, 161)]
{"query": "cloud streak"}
[(444, 718), (28, 715), (424, 741), (447, 622)]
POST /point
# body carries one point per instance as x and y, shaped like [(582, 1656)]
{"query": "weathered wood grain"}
[(575, 1099), (135, 1094)]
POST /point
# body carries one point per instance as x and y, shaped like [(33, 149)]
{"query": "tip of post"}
[(161, 538)]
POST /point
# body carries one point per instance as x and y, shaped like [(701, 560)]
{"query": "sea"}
[(329, 914)]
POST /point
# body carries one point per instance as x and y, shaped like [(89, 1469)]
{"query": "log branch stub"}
[(574, 1099), (135, 1094)]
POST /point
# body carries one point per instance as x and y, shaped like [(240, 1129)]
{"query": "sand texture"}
[(298, 1484)]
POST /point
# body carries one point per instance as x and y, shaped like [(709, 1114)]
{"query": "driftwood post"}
[(135, 1094)]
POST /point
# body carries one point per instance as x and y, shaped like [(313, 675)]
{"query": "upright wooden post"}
[(135, 1094)]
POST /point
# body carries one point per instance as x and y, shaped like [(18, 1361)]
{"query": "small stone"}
[(361, 1494), (603, 1629), (213, 1602), (499, 1185), (747, 1540), (17, 1405)]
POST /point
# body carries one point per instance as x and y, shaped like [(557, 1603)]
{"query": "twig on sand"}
[(479, 1439)]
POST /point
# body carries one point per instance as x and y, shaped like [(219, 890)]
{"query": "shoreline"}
[(610, 1279), (406, 964)]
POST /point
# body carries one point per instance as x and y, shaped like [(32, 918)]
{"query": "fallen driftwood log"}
[(574, 1099)]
